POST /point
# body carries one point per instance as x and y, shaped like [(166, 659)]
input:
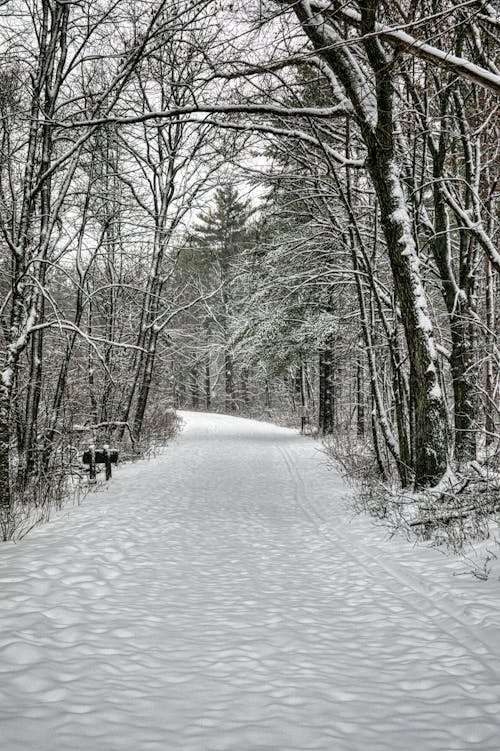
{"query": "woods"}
[(260, 208)]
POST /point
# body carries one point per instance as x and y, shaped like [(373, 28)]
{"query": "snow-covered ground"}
[(221, 597)]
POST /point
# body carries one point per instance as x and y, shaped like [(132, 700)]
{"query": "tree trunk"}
[(208, 385), (228, 382), (401, 409), (360, 398), (5, 489), (244, 388), (144, 378), (490, 349), (463, 371), (464, 375), (194, 388), (430, 416), (326, 390), (267, 395), (373, 110), (30, 449)]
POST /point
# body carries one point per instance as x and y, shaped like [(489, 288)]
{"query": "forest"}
[(286, 210)]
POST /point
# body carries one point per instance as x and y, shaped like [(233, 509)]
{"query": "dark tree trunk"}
[(402, 412), (30, 448), (181, 394), (229, 382), (144, 379), (326, 390), (490, 336), (194, 388), (463, 370), (464, 375), (267, 395), (244, 388), (360, 399), (298, 387), (376, 445), (208, 384), (374, 114), (5, 489)]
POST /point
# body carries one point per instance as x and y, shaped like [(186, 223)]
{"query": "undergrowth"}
[(67, 480), (459, 512)]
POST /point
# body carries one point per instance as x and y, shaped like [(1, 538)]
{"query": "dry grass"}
[(463, 510)]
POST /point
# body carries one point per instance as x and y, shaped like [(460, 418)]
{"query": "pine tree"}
[(220, 239)]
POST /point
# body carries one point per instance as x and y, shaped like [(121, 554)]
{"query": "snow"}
[(435, 392), (401, 217), (422, 49), (222, 597)]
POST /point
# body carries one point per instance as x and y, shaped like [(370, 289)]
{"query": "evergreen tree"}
[(220, 240)]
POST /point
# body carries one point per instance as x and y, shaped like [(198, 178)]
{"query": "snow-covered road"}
[(221, 597)]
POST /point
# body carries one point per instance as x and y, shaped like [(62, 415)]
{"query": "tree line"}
[(247, 207)]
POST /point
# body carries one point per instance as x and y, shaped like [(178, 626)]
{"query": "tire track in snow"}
[(200, 608), (336, 538)]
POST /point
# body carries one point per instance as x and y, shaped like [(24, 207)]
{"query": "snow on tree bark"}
[(371, 91), (430, 414)]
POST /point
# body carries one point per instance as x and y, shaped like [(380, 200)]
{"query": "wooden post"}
[(92, 470), (107, 462)]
